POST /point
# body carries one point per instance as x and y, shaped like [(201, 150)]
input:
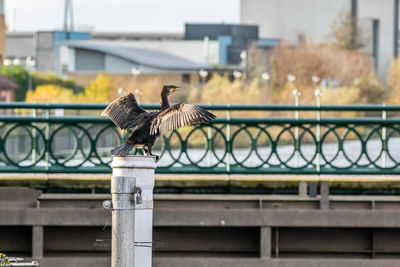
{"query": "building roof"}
[(7, 84), (22, 44), (137, 36), (141, 56)]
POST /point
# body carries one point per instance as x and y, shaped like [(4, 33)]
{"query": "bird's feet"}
[(157, 157), (149, 154)]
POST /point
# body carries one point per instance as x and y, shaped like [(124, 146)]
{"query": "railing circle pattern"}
[(220, 147)]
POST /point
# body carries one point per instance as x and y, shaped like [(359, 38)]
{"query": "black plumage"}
[(126, 113)]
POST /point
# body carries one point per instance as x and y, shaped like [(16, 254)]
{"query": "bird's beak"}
[(178, 89)]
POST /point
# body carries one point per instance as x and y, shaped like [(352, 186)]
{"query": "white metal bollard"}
[(132, 186)]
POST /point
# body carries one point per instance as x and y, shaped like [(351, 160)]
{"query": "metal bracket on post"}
[(138, 192)]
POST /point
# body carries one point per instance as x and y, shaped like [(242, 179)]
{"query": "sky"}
[(120, 15)]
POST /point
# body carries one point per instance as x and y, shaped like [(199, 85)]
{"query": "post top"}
[(134, 161)]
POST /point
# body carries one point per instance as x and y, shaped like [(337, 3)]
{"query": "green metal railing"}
[(39, 141)]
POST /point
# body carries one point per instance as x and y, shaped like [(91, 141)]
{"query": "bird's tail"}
[(122, 149)]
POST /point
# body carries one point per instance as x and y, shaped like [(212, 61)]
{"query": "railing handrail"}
[(367, 107), (94, 119)]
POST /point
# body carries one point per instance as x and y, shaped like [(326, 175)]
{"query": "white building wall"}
[(383, 10), (66, 58), (286, 19)]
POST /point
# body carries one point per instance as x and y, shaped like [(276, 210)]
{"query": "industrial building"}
[(81, 55), (287, 19)]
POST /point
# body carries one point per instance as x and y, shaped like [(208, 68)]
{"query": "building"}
[(82, 60), (170, 57), (232, 39), (47, 43), (24, 45), (287, 19)]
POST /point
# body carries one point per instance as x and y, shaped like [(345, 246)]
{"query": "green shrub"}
[(20, 76)]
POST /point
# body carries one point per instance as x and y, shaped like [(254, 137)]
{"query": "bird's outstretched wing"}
[(123, 111), (178, 116)]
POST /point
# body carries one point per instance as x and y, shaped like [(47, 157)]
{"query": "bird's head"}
[(169, 89)]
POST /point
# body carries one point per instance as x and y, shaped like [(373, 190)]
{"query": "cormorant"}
[(126, 113)]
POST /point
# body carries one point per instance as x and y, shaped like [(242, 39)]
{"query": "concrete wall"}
[(67, 230)]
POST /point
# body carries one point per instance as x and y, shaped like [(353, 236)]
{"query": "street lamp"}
[(243, 65), (29, 66), (7, 62), (203, 75), (135, 71), (315, 79), (237, 74), (16, 61), (243, 57), (265, 76), (138, 94), (291, 78), (318, 92), (121, 91)]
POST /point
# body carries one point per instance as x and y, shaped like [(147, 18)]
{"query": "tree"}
[(20, 76), (98, 91), (345, 32), (394, 81), (50, 94)]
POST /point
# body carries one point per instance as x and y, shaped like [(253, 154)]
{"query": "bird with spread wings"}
[(126, 113)]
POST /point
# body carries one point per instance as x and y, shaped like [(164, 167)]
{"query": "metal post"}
[(296, 94), (228, 141), (34, 139), (47, 135), (324, 196), (318, 133), (132, 186), (209, 145), (384, 142)]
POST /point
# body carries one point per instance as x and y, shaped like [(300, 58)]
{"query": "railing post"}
[(34, 114), (132, 186), (324, 188), (228, 141), (47, 135), (318, 132), (297, 95), (209, 144), (384, 145)]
